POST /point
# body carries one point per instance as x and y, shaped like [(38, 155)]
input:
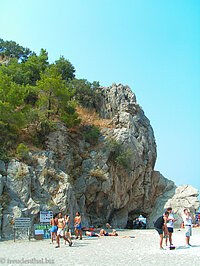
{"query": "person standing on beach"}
[(187, 218), (77, 225), (54, 228), (66, 229), (198, 217), (170, 226), (160, 224), (60, 232)]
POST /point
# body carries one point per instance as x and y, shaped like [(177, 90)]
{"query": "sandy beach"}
[(143, 249)]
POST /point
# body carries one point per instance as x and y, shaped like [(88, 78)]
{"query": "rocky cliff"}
[(111, 179)]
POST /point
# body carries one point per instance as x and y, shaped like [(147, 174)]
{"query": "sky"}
[(151, 45)]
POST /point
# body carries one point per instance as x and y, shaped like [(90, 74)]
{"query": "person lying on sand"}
[(90, 229), (104, 233), (87, 233)]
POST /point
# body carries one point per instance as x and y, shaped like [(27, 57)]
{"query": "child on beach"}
[(77, 225)]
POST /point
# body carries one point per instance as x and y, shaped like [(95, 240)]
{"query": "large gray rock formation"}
[(29, 189), (168, 195), (112, 180), (162, 190), (103, 188), (185, 197)]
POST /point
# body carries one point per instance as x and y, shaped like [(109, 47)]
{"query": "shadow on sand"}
[(184, 247)]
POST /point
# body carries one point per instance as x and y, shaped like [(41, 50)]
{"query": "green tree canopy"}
[(56, 97), (11, 48), (12, 105), (65, 68), (86, 93), (27, 72)]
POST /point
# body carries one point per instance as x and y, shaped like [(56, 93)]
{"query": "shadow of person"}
[(184, 247)]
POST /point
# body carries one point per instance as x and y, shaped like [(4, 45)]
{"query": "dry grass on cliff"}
[(92, 118), (87, 118)]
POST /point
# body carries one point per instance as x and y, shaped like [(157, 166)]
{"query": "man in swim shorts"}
[(60, 232), (54, 227), (77, 225)]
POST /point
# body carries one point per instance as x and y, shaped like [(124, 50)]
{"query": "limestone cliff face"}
[(106, 183), (106, 191), (178, 198)]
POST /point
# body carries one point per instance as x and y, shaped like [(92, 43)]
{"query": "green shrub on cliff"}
[(22, 151), (91, 134), (86, 93), (118, 155)]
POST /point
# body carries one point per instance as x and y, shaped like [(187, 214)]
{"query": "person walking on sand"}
[(54, 228), (187, 218), (66, 229), (160, 224), (60, 232), (170, 226), (77, 225)]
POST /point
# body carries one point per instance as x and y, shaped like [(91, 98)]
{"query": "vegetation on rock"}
[(91, 133), (118, 155), (22, 151), (35, 95)]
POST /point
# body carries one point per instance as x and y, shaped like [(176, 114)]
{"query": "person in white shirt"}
[(187, 219), (170, 226)]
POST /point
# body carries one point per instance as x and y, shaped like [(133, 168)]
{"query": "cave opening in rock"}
[(136, 220)]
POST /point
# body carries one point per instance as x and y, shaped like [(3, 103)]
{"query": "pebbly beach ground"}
[(143, 249)]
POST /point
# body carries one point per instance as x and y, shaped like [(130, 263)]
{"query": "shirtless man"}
[(54, 228), (77, 225), (60, 232)]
